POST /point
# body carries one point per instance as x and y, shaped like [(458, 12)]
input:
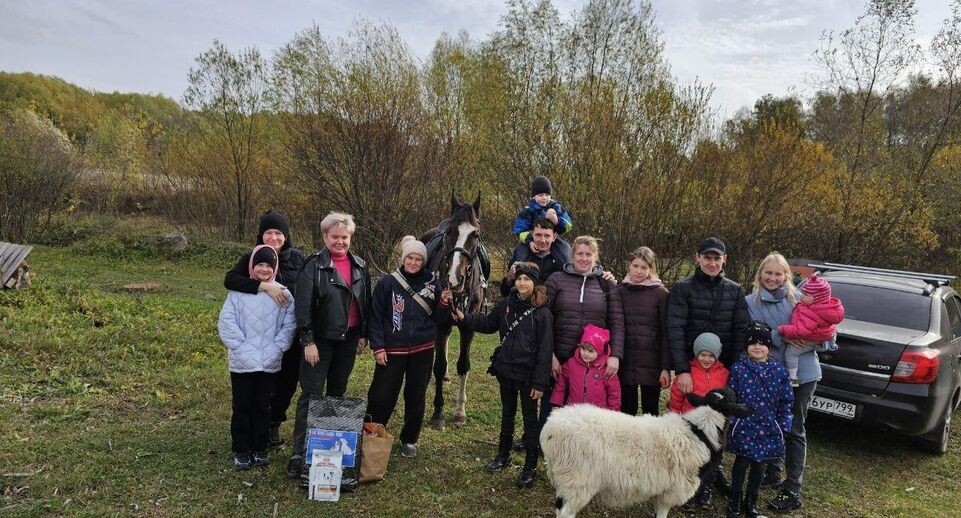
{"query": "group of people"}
[(568, 333)]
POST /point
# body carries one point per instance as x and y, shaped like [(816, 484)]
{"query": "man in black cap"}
[(705, 302)]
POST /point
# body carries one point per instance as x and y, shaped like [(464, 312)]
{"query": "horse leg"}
[(440, 370), (463, 369)]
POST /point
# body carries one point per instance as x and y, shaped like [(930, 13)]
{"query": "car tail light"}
[(917, 367)]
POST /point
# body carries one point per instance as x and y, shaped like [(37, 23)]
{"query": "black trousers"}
[(332, 369), (741, 465), (385, 389), (650, 399), (510, 390), (285, 382), (251, 410), (545, 410)]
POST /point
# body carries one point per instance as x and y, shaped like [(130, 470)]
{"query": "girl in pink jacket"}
[(582, 376), (813, 320)]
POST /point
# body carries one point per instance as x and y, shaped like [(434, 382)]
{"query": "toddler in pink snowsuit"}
[(813, 320), (582, 376)]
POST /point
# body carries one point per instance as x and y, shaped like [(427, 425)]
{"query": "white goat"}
[(629, 460)]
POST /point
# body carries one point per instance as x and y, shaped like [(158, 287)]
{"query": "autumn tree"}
[(358, 136), (38, 168), (228, 91)]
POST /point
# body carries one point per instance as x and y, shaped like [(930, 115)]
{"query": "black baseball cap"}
[(711, 244)]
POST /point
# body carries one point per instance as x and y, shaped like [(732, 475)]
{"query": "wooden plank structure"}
[(11, 256)]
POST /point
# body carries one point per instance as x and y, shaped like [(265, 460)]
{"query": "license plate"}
[(834, 407)]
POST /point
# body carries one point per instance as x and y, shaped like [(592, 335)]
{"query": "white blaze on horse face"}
[(463, 232)]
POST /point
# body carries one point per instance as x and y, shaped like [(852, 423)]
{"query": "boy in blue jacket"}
[(541, 205)]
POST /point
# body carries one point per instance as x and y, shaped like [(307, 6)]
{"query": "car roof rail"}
[(930, 278)]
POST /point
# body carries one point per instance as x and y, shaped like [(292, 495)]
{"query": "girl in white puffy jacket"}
[(256, 332)]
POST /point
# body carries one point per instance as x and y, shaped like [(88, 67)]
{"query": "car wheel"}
[(936, 441)]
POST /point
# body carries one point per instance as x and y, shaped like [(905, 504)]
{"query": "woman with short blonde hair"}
[(332, 302)]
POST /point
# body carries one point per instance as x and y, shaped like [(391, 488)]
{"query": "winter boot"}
[(503, 457), (750, 505), (721, 483), (704, 497), (529, 473), (734, 505)]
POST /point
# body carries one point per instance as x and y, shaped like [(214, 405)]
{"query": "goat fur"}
[(626, 460)]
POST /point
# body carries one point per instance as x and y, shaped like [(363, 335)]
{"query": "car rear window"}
[(882, 306)]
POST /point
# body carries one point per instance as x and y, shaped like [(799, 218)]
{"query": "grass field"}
[(114, 403)]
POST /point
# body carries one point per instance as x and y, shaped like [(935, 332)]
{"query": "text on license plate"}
[(831, 406)]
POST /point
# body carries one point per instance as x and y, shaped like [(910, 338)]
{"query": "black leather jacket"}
[(322, 298)]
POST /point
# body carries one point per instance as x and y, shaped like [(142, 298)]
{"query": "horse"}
[(452, 249)]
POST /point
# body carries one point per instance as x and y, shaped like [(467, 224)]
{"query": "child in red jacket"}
[(813, 320), (706, 372), (582, 376)]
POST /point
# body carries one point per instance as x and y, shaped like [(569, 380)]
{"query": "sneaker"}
[(242, 461), (294, 465), (260, 458), (408, 450), (785, 501)]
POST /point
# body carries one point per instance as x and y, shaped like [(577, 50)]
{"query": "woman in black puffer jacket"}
[(522, 363)]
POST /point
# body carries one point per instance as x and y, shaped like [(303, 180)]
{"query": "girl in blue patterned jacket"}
[(758, 438)]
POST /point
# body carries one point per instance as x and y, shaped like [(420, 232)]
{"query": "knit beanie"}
[(759, 333), (530, 270), (410, 245), (541, 185), (263, 254), (818, 288), (596, 336), (709, 342), (277, 221)]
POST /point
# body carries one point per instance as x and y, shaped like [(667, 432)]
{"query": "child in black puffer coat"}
[(522, 362)]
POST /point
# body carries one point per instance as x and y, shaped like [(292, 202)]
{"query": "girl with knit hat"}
[(758, 438), (521, 364), (813, 320), (541, 205), (406, 307), (274, 231), (256, 331), (582, 377)]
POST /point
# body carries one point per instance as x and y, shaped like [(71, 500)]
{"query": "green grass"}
[(118, 404)]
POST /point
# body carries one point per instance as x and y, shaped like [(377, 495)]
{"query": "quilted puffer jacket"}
[(645, 337), (578, 300), (255, 331), (814, 322), (701, 304), (765, 387)]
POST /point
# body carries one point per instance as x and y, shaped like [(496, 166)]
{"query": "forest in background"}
[(866, 170)]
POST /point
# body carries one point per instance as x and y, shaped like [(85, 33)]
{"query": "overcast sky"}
[(744, 48)]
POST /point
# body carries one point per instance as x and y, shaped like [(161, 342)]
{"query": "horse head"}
[(460, 242)]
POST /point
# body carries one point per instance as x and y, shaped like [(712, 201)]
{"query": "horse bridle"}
[(461, 300)]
